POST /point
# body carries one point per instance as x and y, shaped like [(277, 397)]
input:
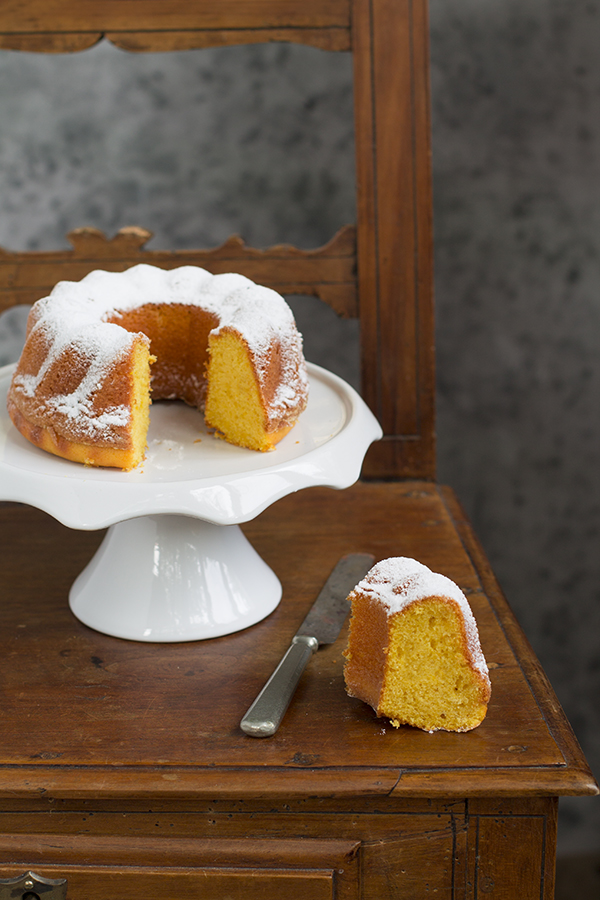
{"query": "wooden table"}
[(124, 770)]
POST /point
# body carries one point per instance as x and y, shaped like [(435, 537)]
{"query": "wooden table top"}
[(84, 714)]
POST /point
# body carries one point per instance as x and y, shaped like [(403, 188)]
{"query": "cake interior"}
[(233, 403), (140, 402), (419, 674), (429, 682), (185, 355), (178, 336)]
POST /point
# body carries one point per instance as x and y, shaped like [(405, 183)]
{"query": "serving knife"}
[(321, 626)]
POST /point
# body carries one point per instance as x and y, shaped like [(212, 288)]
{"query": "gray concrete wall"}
[(516, 148), (258, 140)]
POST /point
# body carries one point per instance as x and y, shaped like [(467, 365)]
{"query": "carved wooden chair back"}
[(379, 269)]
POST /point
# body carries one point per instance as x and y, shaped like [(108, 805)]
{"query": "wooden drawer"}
[(475, 850), (100, 868), (204, 884)]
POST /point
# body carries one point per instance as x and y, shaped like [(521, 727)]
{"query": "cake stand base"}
[(174, 578)]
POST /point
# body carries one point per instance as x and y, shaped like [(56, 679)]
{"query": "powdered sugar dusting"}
[(399, 581), (99, 297), (100, 345), (258, 312), (82, 315)]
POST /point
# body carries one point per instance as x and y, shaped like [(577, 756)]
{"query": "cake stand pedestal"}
[(174, 564), (167, 577)]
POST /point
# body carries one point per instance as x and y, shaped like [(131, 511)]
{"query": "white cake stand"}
[(175, 565)]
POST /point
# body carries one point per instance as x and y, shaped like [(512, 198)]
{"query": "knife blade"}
[(321, 626)]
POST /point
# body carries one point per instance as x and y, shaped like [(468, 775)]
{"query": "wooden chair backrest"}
[(379, 270)]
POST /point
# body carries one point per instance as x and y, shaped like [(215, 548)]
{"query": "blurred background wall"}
[(258, 141)]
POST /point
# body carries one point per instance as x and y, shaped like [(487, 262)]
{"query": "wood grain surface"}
[(56, 16), (124, 770), (80, 708)]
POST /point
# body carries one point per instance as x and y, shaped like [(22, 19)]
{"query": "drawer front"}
[(131, 883), (103, 868)]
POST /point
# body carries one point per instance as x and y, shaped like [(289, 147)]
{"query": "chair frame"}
[(382, 271)]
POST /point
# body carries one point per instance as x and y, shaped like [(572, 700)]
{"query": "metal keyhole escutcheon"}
[(33, 887)]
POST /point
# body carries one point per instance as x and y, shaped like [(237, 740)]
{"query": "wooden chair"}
[(123, 767)]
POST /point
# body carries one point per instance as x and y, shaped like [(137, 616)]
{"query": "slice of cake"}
[(413, 651)]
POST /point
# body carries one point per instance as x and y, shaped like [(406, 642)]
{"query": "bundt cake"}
[(82, 386), (413, 650)]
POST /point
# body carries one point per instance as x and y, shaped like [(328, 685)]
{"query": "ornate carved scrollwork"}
[(329, 272)]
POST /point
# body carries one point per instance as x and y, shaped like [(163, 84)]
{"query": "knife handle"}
[(265, 715)]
